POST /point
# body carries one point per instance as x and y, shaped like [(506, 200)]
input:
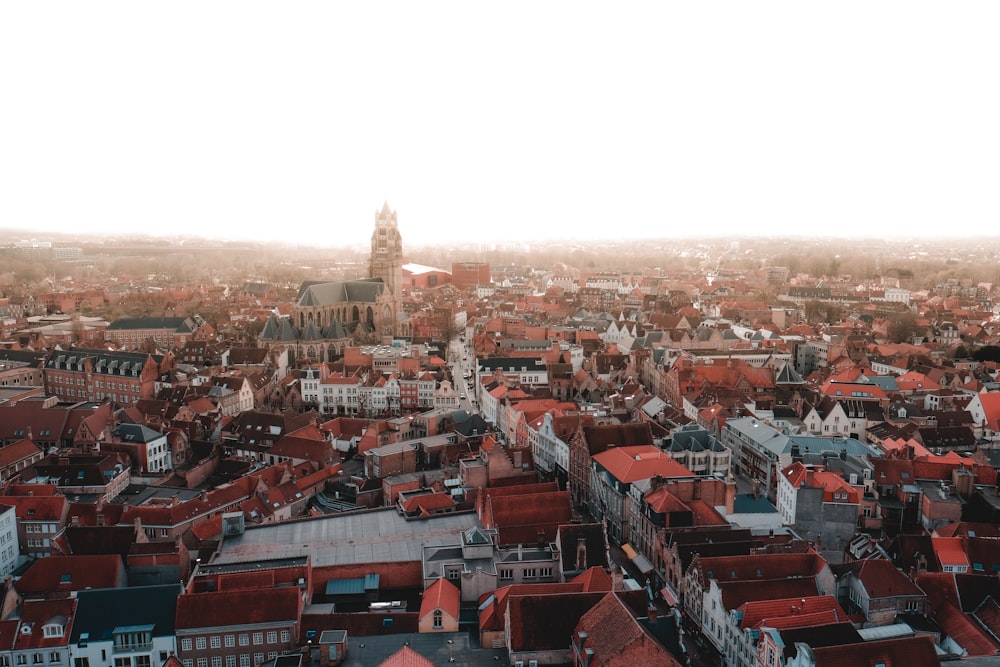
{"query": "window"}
[(230, 661), (55, 656), (123, 662), (506, 573), (258, 658), (286, 636), (22, 659), (245, 660), (258, 638), (200, 643), (216, 641), (438, 619), (530, 573), (202, 662), (187, 662), (244, 640), (143, 661), (272, 637), (216, 661), (230, 641), (271, 655), (36, 658), (186, 644), (81, 662)]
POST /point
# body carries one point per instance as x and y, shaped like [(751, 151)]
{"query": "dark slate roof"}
[(319, 293), (100, 611), (178, 324), (136, 433)]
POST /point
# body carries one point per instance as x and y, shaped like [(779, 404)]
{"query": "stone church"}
[(330, 315)]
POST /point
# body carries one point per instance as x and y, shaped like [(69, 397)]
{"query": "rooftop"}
[(378, 536)]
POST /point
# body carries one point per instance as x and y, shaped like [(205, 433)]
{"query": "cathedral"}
[(330, 315)]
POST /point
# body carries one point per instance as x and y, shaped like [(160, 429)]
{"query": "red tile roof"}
[(443, 595), (614, 634), (765, 612), (882, 579), (62, 574), (943, 598), (406, 657), (631, 464), (737, 593), (915, 651), (760, 567), (38, 613), (239, 607), (492, 615)]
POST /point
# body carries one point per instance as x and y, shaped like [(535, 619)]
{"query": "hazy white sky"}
[(501, 120)]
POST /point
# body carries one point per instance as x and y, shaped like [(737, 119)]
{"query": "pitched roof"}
[(915, 651), (443, 595), (406, 657), (613, 633), (631, 464), (62, 574)]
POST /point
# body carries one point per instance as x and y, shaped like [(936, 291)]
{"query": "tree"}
[(903, 327), (987, 353)]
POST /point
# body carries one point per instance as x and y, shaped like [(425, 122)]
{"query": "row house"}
[(40, 519), (695, 448), (50, 423), (95, 375), (922, 492), (525, 372), (240, 387), (614, 495), (41, 634), (21, 368), (590, 439), (678, 545), (878, 590), (714, 587), (148, 450), (237, 628), (518, 415), (126, 627), (819, 503), (549, 437), (17, 456), (745, 623), (985, 411), (832, 417), (104, 476), (10, 550), (687, 380)]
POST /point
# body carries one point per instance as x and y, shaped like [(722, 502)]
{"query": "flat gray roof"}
[(380, 536)]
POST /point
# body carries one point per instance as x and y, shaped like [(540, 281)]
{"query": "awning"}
[(643, 564), (629, 551), (668, 596)]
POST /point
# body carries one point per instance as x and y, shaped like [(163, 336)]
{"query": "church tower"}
[(386, 261)]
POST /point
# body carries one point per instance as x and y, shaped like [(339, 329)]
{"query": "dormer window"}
[(52, 630)]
